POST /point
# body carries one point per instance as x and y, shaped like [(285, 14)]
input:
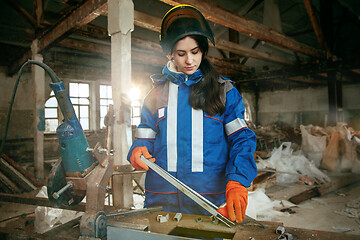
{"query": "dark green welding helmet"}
[(181, 21)]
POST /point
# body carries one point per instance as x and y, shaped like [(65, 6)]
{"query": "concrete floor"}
[(325, 213)]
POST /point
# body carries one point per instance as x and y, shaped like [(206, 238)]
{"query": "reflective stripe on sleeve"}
[(234, 126), (145, 133), (171, 128), (197, 141)]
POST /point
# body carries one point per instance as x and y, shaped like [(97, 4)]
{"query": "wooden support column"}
[(326, 22), (120, 26), (335, 98), (315, 24), (38, 12), (339, 98), (38, 79), (334, 89)]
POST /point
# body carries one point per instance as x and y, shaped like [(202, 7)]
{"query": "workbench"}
[(146, 226), (196, 226)]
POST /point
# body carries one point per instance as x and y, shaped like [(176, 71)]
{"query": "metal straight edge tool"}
[(202, 201)]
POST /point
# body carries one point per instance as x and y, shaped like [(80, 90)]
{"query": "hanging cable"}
[(54, 79)]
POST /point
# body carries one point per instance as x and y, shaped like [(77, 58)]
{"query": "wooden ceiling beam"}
[(318, 32), (153, 23), (38, 12), (304, 79), (220, 63), (228, 68), (222, 16), (93, 31), (91, 9), (80, 17), (146, 44), (22, 11), (248, 52), (84, 46), (283, 80), (147, 21), (146, 52), (136, 55)]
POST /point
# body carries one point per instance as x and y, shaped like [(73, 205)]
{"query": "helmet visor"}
[(180, 22)]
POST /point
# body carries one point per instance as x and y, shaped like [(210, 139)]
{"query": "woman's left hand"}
[(236, 201)]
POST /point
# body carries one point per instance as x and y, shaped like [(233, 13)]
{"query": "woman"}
[(192, 124)]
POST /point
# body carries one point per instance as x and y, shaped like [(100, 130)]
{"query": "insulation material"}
[(261, 207), (313, 142), (47, 217), (283, 160)]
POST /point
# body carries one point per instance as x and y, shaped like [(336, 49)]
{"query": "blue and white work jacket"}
[(201, 150)]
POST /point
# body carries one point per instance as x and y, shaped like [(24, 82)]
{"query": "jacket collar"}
[(169, 73)]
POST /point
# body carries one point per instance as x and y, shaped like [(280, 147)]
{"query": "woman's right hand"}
[(135, 158)]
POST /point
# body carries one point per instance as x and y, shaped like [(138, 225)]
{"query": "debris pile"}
[(14, 178), (271, 136), (319, 150), (290, 165), (332, 148)]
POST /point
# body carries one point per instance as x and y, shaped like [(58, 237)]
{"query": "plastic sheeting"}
[(262, 208), (283, 159)]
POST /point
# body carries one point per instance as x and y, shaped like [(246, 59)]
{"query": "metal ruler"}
[(202, 201)]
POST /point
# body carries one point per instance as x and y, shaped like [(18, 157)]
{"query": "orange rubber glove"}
[(135, 158), (236, 201)]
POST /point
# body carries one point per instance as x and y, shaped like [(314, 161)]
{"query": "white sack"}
[(312, 146)]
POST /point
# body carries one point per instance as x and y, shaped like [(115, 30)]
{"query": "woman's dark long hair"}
[(205, 94)]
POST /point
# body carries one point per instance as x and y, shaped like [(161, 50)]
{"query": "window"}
[(105, 100), (135, 106), (51, 113), (79, 96)]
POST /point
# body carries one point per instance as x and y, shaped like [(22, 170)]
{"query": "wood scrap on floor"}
[(264, 180), (14, 179), (325, 188)]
